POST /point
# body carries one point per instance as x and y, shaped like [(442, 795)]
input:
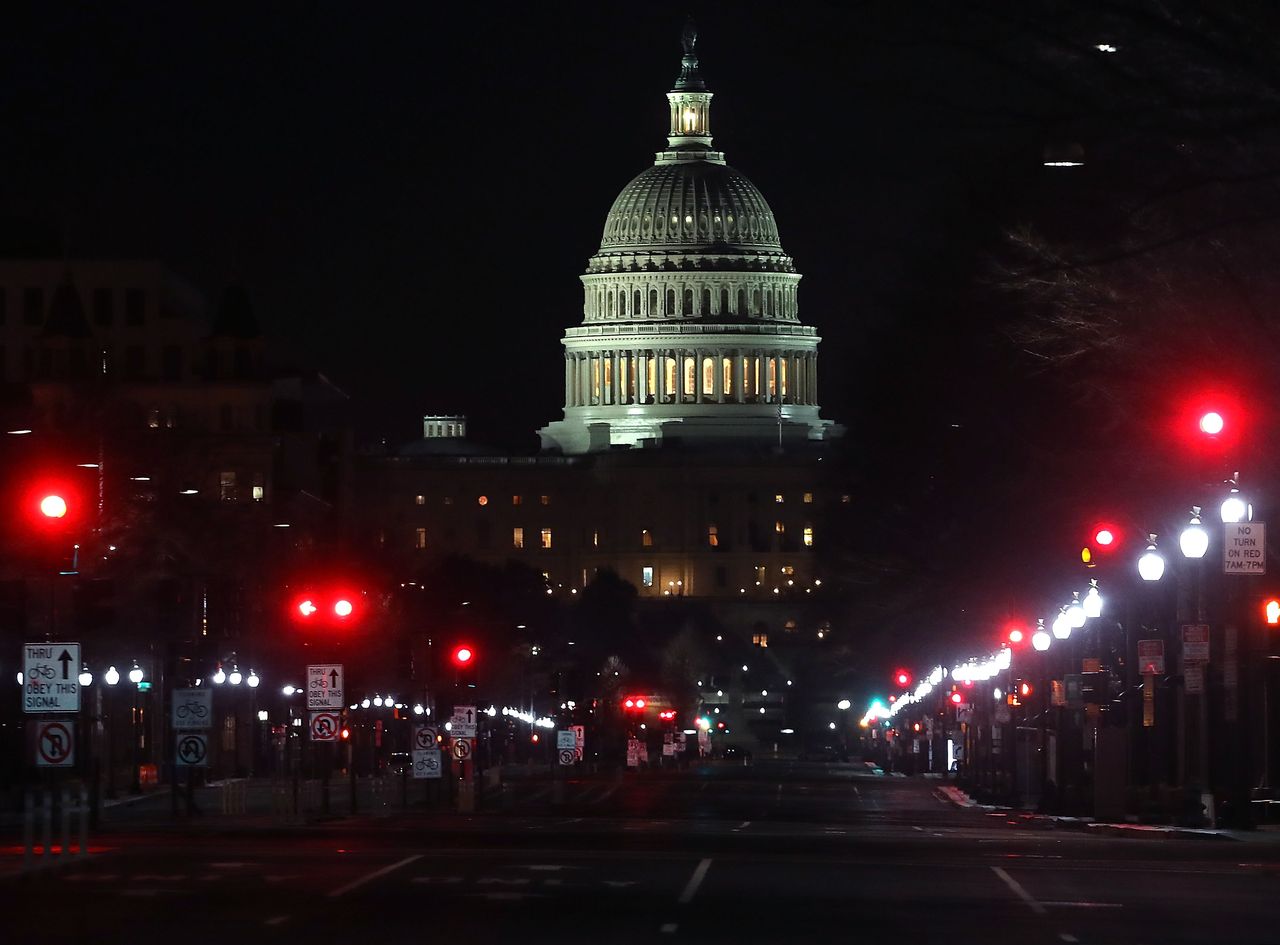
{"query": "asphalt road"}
[(767, 853)]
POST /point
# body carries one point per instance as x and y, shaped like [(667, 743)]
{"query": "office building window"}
[(517, 538), (778, 498), (646, 538), (546, 538), (646, 576), (808, 498), (780, 527), (546, 499), (419, 538), (595, 539), (713, 536), (419, 500), (227, 486), (515, 500), (808, 536), (760, 640)]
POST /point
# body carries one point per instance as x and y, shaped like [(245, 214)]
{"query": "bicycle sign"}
[(192, 709), (324, 686), (426, 763), (51, 677)]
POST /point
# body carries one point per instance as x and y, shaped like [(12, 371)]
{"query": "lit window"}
[(846, 499), (515, 500), (780, 527), (227, 486), (778, 498), (760, 639), (420, 538), (690, 377), (259, 493), (419, 500), (483, 500), (808, 498), (727, 375), (789, 626), (760, 572), (153, 418), (546, 538), (595, 539), (646, 538), (448, 500), (546, 499), (788, 570), (808, 536), (517, 538), (646, 576), (713, 536), (708, 377)]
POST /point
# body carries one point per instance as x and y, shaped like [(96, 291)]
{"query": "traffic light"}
[(1016, 635), (463, 656), (1271, 610), (634, 703), (1024, 689), (902, 678), (327, 608), (956, 698), (667, 715)]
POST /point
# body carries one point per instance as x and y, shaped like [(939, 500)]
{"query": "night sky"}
[(410, 192)]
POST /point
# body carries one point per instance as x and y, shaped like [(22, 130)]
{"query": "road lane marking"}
[(277, 920), (1063, 904), (370, 877), (1019, 891), (691, 888), (921, 829), (1067, 937), (742, 826), (607, 794)]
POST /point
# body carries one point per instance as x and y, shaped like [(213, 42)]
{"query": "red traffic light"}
[(1211, 423), (53, 506), (327, 607), (1271, 609), (634, 702), (1016, 635), (667, 715), (1024, 689), (307, 607), (342, 607), (956, 698), (1105, 537), (902, 677), (346, 733), (463, 655)]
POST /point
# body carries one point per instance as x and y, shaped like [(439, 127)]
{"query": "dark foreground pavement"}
[(771, 853)]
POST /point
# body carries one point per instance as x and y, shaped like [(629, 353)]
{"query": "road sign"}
[(192, 709), (55, 744), (325, 686), (1003, 715), (1244, 548), (568, 755), (1151, 656), (426, 763), (463, 723), (462, 748), (579, 735), (192, 750), (633, 752), (566, 739), (50, 677), (324, 726), (1195, 643), (668, 748), (1193, 678), (424, 737)]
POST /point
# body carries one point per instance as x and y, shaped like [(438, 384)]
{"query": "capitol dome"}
[(691, 330), (688, 204)]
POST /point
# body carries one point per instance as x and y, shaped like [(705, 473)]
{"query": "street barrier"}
[(40, 809), (233, 796)]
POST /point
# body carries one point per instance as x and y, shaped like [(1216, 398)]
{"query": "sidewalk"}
[(957, 797)]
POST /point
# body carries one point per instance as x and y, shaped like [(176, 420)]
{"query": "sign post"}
[(51, 677), (326, 690)]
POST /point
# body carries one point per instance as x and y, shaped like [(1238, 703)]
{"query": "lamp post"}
[(112, 679), (135, 678)]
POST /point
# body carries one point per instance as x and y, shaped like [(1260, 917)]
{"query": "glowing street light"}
[(1194, 540), (1075, 612), (1041, 640), (112, 676), (1062, 625), (1092, 603), (135, 674), (843, 704), (1151, 564)]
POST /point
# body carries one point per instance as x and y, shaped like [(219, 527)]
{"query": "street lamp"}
[(1092, 603), (843, 704), (220, 676), (1040, 640), (112, 676), (1076, 615), (1234, 507), (1151, 564), (1062, 625), (86, 677), (135, 674), (253, 680), (1194, 540)]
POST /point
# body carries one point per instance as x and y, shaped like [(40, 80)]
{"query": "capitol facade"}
[(691, 330)]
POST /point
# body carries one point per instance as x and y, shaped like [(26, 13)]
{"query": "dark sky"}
[(411, 191)]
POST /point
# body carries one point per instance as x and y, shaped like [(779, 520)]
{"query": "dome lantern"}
[(690, 136)]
